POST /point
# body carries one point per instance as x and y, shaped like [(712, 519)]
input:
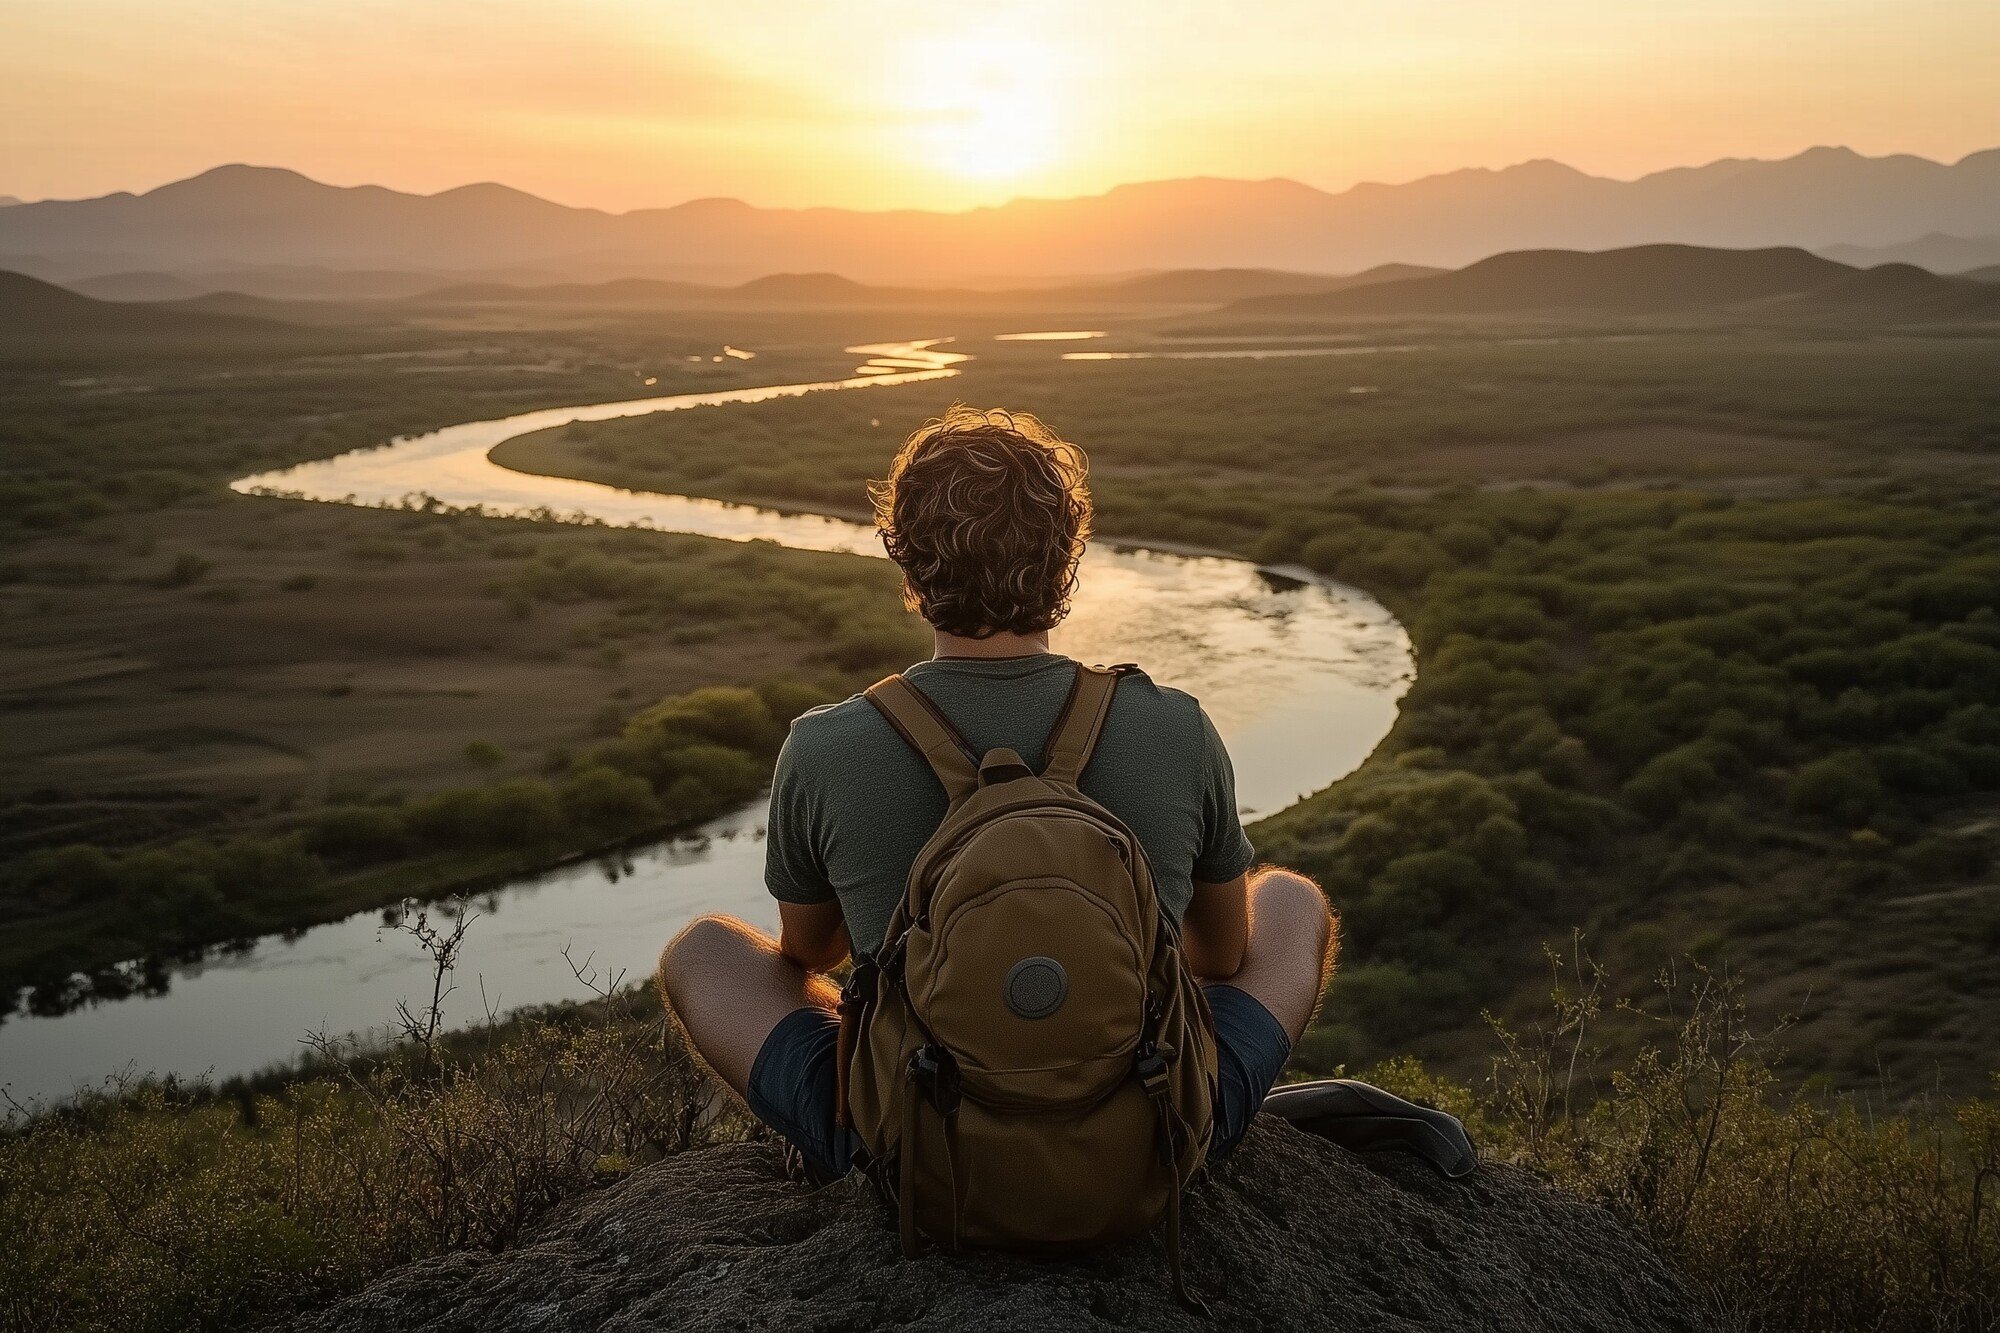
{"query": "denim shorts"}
[(792, 1080)]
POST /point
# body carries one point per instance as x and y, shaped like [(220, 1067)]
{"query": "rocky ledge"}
[(1291, 1233)]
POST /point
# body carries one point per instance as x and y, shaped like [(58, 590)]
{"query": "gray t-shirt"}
[(852, 804)]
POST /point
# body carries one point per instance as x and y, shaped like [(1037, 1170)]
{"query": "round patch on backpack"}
[(1036, 987)]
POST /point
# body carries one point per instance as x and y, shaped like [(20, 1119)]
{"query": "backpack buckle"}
[(859, 992), (1150, 1063), (936, 1075)]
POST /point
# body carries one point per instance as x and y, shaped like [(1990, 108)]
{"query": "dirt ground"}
[(259, 652)]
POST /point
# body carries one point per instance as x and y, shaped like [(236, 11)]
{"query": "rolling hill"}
[(782, 290), (1894, 294), (279, 282), (139, 285), (39, 319), (1937, 252), (1181, 287), (1213, 286), (618, 291), (1653, 280), (267, 216)]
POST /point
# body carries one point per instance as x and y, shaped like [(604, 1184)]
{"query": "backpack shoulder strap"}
[(1081, 720), (929, 732)]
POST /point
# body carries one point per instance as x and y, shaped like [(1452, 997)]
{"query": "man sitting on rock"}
[(987, 515)]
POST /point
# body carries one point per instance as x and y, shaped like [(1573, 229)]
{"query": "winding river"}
[(1300, 674)]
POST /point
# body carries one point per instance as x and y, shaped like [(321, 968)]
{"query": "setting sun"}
[(987, 103)]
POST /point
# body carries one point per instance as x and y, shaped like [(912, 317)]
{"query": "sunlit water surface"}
[(1301, 676)]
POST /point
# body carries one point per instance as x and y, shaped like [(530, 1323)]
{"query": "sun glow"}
[(988, 104)]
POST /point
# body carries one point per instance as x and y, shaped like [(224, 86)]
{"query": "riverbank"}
[(554, 453), (226, 673), (1621, 726), (1300, 674), (1673, 602)]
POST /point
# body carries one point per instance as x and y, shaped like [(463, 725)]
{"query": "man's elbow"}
[(817, 956), (1215, 962)]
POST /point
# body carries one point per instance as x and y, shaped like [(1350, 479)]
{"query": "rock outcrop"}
[(1290, 1233)]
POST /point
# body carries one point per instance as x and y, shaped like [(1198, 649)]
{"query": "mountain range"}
[(41, 319), (1777, 285), (1680, 283), (1190, 287), (1936, 251), (260, 216)]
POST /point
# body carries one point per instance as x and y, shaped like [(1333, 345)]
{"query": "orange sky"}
[(629, 103)]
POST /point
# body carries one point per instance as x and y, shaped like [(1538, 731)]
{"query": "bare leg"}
[(729, 986), (1291, 948)]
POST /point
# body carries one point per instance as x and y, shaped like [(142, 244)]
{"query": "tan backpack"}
[(1027, 1060)]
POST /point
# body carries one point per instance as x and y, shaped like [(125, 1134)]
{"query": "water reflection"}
[(1060, 336), (1240, 353), (1301, 676)]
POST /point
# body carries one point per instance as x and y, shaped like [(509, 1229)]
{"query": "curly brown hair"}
[(987, 513)]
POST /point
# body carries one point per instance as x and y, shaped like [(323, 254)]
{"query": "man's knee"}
[(1299, 900), (1289, 891), (702, 943)]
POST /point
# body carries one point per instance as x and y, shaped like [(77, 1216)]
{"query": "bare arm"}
[(813, 935), (1215, 929)]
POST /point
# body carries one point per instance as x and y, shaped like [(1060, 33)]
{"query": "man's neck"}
[(993, 646)]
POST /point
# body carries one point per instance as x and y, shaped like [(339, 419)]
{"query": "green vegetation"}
[(671, 765), (1752, 709), (1194, 445), (1789, 1210), (161, 806), (169, 1208), (1769, 721), (96, 434), (161, 435), (111, 863), (1709, 666), (166, 1207)]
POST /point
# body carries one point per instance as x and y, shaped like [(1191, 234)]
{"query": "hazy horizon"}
[(614, 105), (1001, 202)]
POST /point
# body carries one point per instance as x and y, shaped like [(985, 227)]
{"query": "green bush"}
[(359, 833), (1841, 787), (1671, 779), (607, 802)]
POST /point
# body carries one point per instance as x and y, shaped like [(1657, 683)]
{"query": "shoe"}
[(1363, 1118)]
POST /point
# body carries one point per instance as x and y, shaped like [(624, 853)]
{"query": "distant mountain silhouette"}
[(264, 216), (1195, 287), (140, 285), (28, 305), (786, 290), (1892, 294), (40, 319), (282, 282), (9, 200), (1211, 286), (1783, 283), (268, 308), (1991, 273), (1937, 252), (619, 291), (832, 289)]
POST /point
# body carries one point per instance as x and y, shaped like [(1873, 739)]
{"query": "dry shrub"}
[(1792, 1211), (163, 1206)]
